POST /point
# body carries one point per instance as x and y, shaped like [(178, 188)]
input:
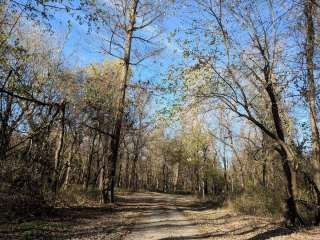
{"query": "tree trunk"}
[(68, 165), (164, 187), (127, 180), (175, 176), (103, 171), (90, 158), (115, 141), (292, 212), (134, 182), (67, 177), (57, 156), (120, 183), (311, 92), (205, 175), (264, 172), (225, 174), (4, 128)]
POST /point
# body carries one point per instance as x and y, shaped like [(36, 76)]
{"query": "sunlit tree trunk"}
[(309, 10), (175, 176), (285, 153), (115, 141)]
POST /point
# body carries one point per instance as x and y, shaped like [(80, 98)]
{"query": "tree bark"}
[(309, 11), (58, 153), (90, 158), (103, 171), (292, 212), (5, 136), (115, 141), (175, 175), (68, 165), (134, 182)]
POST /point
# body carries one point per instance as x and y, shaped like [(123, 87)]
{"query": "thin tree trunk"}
[(120, 184), (57, 157), (103, 171), (90, 158), (164, 178), (205, 175), (225, 168), (68, 165), (175, 176), (66, 180), (134, 182), (264, 172), (128, 178)]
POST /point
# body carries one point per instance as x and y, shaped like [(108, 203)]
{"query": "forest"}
[(117, 115)]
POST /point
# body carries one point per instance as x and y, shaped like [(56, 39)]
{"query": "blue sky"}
[(82, 48), (85, 46)]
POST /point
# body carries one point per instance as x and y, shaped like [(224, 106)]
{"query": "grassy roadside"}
[(225, 223)]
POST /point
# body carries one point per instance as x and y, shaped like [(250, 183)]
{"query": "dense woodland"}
[(234, 120)]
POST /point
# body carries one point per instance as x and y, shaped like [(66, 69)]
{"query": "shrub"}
[(261, 202), (74, 195)]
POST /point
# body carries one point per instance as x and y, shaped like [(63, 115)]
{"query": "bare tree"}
[(125, 20), (309, 11), (248, 73)]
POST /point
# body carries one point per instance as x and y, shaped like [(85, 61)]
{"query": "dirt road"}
[(162, 218), (150, 216), (177, 217)]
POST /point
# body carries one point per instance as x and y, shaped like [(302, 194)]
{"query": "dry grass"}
[(225, 223), (87, 220)]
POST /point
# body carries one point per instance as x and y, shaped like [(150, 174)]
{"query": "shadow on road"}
[(114, 222)]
